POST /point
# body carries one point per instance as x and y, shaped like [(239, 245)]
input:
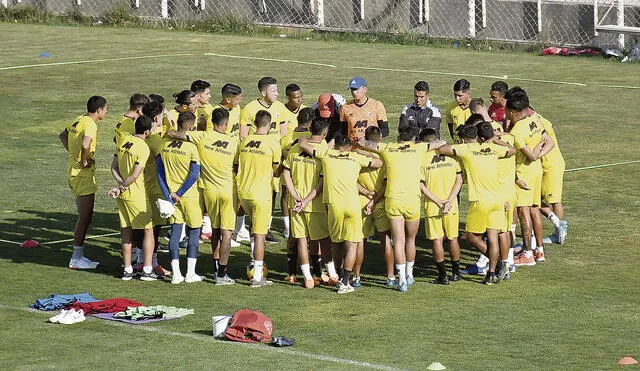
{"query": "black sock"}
[(216, 263), (222, 270), (442, 269), (316, 271), (345, 276), (292, 264), (455, 266)]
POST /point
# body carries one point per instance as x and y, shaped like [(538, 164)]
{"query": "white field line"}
[(318, 64), (11, 242), (253, 346), (601, 166), (88, 237)]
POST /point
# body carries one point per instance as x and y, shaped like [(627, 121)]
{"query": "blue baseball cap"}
[(357, 83)]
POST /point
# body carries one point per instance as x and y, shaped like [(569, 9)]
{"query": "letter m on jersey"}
[(437, 158), (220, 143), (127, 145), (253, 144), (175, 144)]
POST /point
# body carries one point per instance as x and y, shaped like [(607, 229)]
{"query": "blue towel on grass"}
[(59, 301)]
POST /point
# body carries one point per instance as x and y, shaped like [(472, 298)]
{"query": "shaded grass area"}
[(576, 311)]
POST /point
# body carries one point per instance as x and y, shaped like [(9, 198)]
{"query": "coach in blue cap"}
[(362, 112)]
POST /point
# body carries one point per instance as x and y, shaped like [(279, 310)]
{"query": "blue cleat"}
[(474, 269), (403, 287), (562, 231), (392, 282), (410, 281)]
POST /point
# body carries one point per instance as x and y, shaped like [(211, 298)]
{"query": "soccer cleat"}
[(261, 283), (503, 270), (291, 279), (403, 287), (226, 280), (235, 243), (271, 238), (456, 277), (391, 282), (333, 281), (524, 258), (490, 279), (562, 231), (309, 283), (150, 276), (474, 269), (440, 280), (552, 238), (355, 282), (126, 276), (512, 268), (410, 280), (191, 278), (345, 289), (82, 263), (160, 271), (177, 279), (72, 316), (507, 276), (243, 235), (538, 255)]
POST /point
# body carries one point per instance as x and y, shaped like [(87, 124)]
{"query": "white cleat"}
[(82, 263), (190, 278)]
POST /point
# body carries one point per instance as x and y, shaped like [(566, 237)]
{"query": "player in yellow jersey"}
[(231, 99), (165, 121), (268, 101), (304, 119), (303, 179), (178, 170), (371, 181), (553, 167), (155, 110), (186, 102), (126, 122), (218, 153), (260, 155), (341, 168), (202, 90), (403, 161), (134, 208), (457, 112), (531, 144), (486, 209), (442, 181), (362, 112), (293, 105), (79, 139)]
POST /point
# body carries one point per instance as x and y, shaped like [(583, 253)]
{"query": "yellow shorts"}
[(552, 182), (485, 214), (345, 221), (399, 208), (156, 219), (531, 196), (84, 183), (188, 211), (508, 194), (439, 226), (376, 222), (135, 214), (260, 213), (221, 208), (312, 225), (275, 184)]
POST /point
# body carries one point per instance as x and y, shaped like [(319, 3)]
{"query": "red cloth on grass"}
[(105, 306)]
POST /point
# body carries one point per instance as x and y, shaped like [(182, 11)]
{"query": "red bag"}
[(249, 326)]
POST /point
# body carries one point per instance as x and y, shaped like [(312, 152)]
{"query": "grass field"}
[(579, 310)]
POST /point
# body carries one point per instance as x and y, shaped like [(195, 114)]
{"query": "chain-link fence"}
[(553, 22)]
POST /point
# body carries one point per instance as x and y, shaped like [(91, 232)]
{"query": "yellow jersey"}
[(403, 161), (218, 152), (154, 142), (204, 114), (507, 165), (527, 132), (372, 180), (233, 125), (292, 118), (457, 116), (341, 171), (278, 116), (258, 155), (480, 162), (439, 173), (553, 158), (305, 174), (126, 125), (83, 126), (177, 156), (132, 151), (291, 139)]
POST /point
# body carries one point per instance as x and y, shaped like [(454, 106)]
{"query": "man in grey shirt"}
[(422, 113)]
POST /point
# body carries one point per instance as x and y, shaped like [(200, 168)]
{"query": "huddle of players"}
[(338, 193)]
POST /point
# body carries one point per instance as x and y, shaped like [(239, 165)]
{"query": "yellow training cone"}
[(436, 366)]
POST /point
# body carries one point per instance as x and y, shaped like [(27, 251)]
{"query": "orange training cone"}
[(627, 361)]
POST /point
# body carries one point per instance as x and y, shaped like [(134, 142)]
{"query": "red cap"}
[(326, 105)]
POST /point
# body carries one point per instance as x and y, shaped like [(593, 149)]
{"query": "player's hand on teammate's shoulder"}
[(175, 198)]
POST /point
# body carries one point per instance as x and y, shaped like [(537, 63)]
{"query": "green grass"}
[(577, 311)]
